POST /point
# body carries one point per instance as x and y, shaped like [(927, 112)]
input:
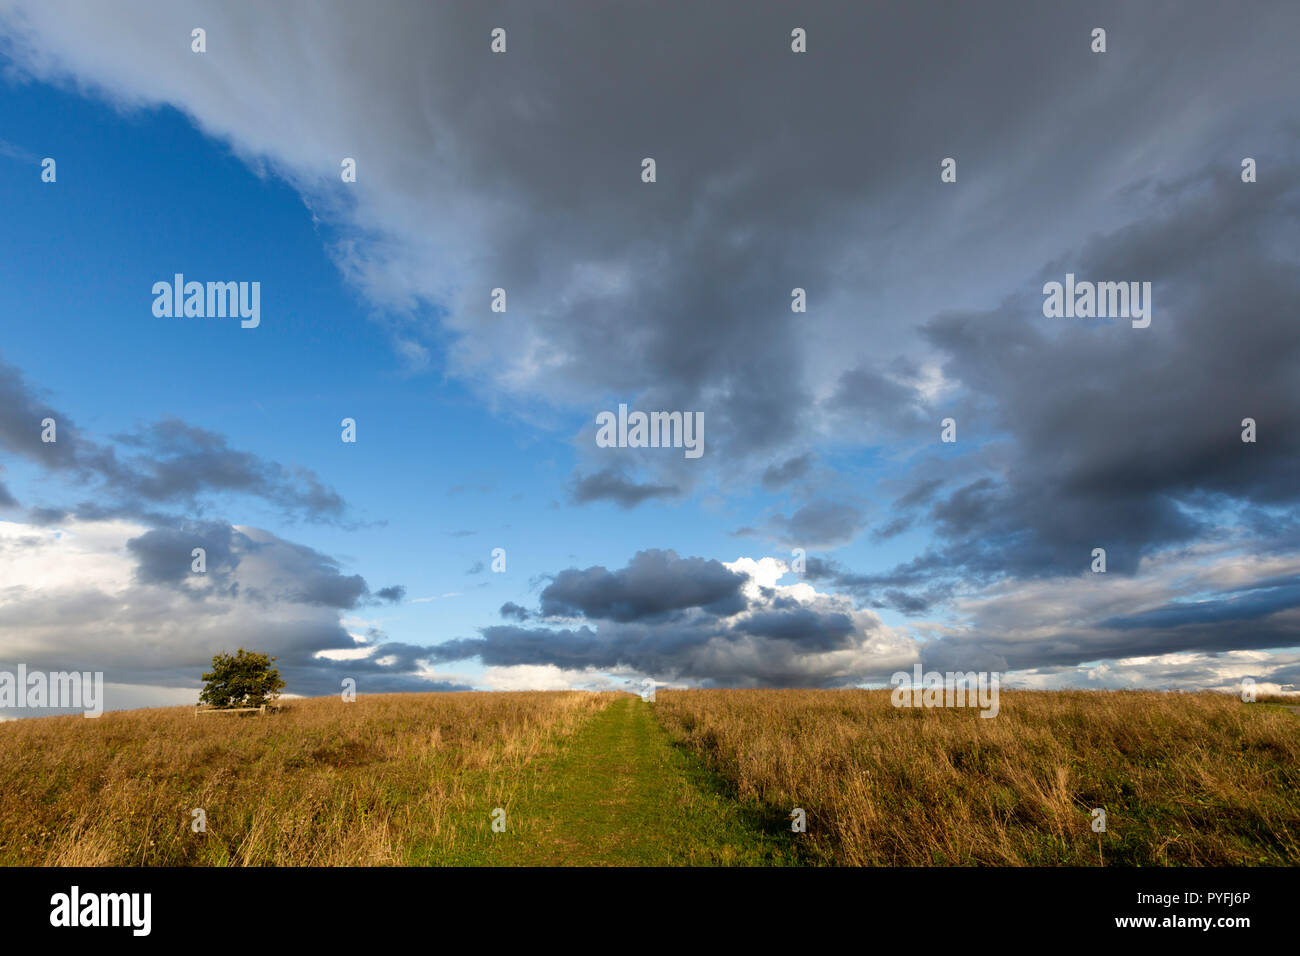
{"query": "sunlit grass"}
[(1184, 779), (322, 782)]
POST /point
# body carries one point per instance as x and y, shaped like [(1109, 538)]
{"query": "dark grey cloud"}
[(166, 555), (804, 625), (922, 492), (1262, 601), (305, 576), (911, 588), (526, 166), (1288, 675), (689, 619), (1078, 434), (319, 677), (888, 399), (821, 523), (285, 571), (23, 412), (1231, 627), (1130, 439), (509, 646), (179, 462), (653, 584), (512, 610), (610, 484), (167, 463), (893, 528), (700, 651), (780, 475)]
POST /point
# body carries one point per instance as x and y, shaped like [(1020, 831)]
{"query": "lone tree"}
[(242, 679)]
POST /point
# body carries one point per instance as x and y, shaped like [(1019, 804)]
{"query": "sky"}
[(480, 532)]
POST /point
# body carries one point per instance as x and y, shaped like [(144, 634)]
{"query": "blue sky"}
[(147, 189), (476, 429)]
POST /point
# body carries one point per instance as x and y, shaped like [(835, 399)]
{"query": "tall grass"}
[(1191, 779), (1195, 779), (388, 779)]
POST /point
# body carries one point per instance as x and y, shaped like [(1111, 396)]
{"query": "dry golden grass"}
[(389, 779), (412, 778), (1185, 779), (1291, 700)]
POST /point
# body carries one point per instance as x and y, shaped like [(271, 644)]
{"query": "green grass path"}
[(619, 793)]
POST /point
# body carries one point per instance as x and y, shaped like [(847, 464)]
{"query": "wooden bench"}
[(230, 710)]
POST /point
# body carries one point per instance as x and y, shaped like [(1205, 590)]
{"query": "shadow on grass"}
[(770, 825)]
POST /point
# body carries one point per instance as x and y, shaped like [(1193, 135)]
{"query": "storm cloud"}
[(624, 296), (695, 621)]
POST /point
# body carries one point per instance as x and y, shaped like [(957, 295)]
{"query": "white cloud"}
[(71, 600), (548, 677)]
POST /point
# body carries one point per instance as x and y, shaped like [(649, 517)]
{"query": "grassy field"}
[(391, 779), (1184, 779), (697, 778), (620, 792)]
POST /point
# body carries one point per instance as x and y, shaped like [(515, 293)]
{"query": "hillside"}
[(698, 778)]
